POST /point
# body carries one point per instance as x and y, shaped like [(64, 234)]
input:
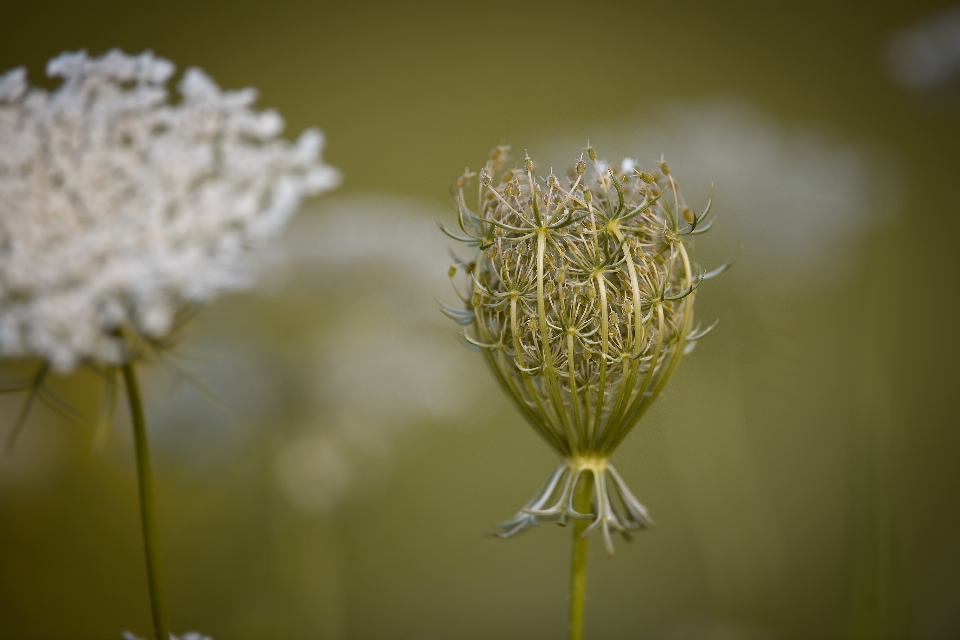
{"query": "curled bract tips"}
[(617, 509), (580, 297)]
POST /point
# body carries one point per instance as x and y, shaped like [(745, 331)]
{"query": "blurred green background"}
[(334, 474)]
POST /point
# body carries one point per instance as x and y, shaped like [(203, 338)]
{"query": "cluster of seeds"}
[(580, 296)]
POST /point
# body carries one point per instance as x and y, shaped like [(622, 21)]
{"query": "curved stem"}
[(581, 546), (148, 518), (622, 402), (553, 388), (604, 351)]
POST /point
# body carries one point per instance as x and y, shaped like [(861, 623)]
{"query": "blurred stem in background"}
[(581, 549), (878, 591), (148, 517), (306, 556)]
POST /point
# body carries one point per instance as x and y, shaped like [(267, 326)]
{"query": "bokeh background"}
[(329, 456)]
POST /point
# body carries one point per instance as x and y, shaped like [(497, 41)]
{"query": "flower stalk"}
[(148, 509), (578, 566)]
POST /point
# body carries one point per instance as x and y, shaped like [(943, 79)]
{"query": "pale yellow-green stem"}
[(604, 352), (555, 395), (623, 397), (574, 398), (581, 548)]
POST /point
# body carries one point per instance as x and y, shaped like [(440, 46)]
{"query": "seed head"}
[(587, 313)]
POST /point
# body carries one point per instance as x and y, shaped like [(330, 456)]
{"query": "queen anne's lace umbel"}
[(118, 206), (581, 298)]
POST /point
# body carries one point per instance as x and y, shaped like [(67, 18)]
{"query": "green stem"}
[(581, 546), (148, 518)]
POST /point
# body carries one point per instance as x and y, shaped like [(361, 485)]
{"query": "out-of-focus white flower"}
[(927, 55), (189, 635), (338, 353), (799, 198), (118, 207), (383, 369)]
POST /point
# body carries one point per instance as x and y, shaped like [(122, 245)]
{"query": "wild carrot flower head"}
[(119, 207), (581, 299)]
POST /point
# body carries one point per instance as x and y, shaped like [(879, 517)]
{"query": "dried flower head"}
[(118, 207), (581, 300)]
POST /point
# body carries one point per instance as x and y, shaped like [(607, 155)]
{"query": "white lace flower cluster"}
[(118, 206)]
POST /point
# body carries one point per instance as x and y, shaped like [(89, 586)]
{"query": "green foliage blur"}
[(332, 469)]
